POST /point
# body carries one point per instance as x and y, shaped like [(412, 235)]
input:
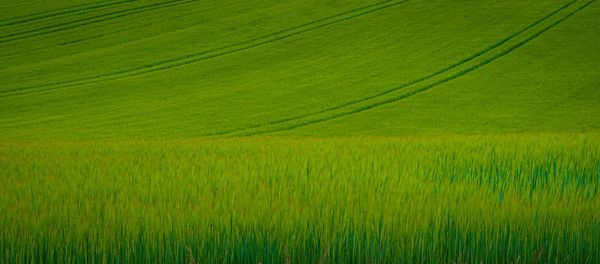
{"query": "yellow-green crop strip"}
[(495, 199)]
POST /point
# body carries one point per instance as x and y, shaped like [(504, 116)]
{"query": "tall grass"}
[(500, 198)]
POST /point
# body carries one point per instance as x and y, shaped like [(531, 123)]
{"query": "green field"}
[(390, 131)]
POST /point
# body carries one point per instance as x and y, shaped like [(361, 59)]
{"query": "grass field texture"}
[(299, 131), (159, 69), (517, 198)]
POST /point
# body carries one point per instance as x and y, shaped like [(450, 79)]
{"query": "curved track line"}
[(88, 21), (384, 101), (213, 53), (54, 13), (413, 82)]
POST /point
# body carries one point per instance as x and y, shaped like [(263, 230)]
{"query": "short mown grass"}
[(453, 198)]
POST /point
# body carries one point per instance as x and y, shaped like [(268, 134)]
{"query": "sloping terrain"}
[(301, 131), (121, 69)]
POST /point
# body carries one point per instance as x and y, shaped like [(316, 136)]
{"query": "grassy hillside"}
[(549, 84), (192, 68), (300, 131)]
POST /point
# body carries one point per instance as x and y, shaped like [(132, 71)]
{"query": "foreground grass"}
[(303, 200)]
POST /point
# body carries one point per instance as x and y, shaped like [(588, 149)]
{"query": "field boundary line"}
[(212, 53), (88, 21), (330, 113)]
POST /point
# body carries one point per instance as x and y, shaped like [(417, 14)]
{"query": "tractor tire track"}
[(385, 101), (88, 21), (55, 13), (213, 53), (410, 83)]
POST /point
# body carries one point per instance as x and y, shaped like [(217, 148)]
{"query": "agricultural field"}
[(299, 131)]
